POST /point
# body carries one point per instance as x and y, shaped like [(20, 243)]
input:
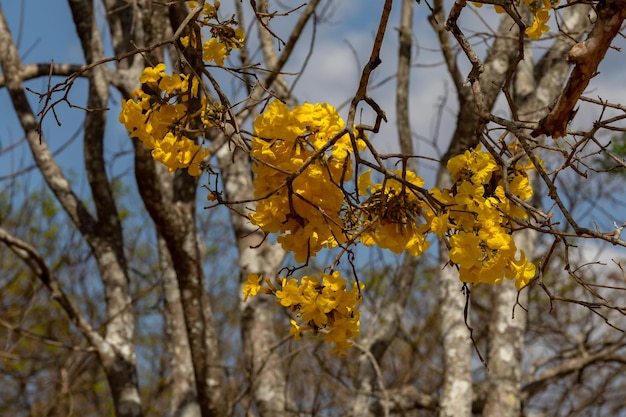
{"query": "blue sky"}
[(53, 40), (331, 77)]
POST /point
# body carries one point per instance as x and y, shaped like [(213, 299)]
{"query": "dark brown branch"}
[(373, 62)]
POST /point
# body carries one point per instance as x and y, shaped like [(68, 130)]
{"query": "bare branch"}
[(30, 71)]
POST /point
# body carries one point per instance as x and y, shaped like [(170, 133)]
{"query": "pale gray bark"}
[(122, 374), (508, 321), (456, 398), (154, 25), (175, 221), (184, 398), (506, 340), (256, 255), (534, 90), (171, 202)]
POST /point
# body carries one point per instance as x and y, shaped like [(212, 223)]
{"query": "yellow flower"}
[(170, 83), (252, 285), (197, 154), (365, 182), (323, 302), (165, 151), (290, 294), (440, 224), (213, 50), (308, 213), (475, 165), (152, 74), (541, 16), (313, 311), (493, 268), (520, 186), (132, 116), (539, 26), (179, 152), (465, 249), (240, 36), (295, 330), (522, 271), (469, 193), (394, 216), (343, 328)]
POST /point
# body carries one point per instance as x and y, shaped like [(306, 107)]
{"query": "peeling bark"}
[(586, 56)]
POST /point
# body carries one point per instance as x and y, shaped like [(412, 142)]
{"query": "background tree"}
[(133, 281)]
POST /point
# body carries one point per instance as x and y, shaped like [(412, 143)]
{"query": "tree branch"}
[(52, 69), (586, 56)]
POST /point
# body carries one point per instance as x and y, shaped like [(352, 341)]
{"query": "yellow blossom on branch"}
[(215, 51), (152, 74), (394, 216), (252, 286), (321, 302), (154, 119), (541, 16), (301, 202), (479, 215)]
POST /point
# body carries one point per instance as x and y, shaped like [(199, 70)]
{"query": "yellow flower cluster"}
[(321, 302), (479, 216), (158, 120), (301, 162), (301, 203), (394, 216), (541, 15), (160, 116)]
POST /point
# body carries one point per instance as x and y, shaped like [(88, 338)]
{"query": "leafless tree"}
[(158, 324)]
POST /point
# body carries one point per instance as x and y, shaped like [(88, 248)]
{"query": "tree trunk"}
[(184, 397), (456, 398), (508, 327), (256, 255)]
